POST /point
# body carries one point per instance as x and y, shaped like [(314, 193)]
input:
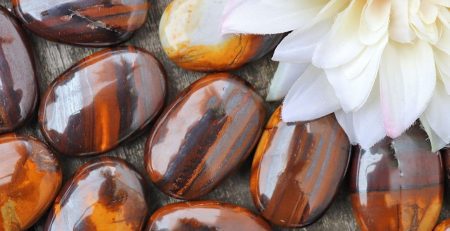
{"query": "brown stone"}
[(105, 194), (102, 101), (205, 215), (397, 184), (297, 169), (443, 226), (30, 179), (203, 135)]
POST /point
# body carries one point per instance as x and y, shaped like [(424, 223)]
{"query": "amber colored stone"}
[(206, 133), (443, 226), (30, 179), (397, 184), (102, 101), (297, 169), (81, 22), (190, 33), (18, 85), (205, 215), (104, 194)]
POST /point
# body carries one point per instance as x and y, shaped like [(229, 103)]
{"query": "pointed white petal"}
[(399, 28), (436, 142), (299, 46), (284, 78), (364, 126), (269, 17), (407, 80), (311, 97), (436, 117), (342, 44), (374, 21), (443, 67), (353, 82)]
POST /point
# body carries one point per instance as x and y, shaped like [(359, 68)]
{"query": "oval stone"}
[(204, 135), (297, 169), (18, 85), (102, 101), (105, 194), (190, 33), (446, 159), (443, 226), (397, 184), (84, 23), (205, 215), (30, 179)]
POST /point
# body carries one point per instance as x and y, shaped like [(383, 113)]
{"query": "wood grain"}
[(52, 59)]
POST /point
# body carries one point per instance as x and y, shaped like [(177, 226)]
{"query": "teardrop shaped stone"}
[(205, 215), (204, 135), (104, 194), (81, 22), (397, 184), (297, 169), (18, 84), (102, 101), (30, 179), (190, 33)]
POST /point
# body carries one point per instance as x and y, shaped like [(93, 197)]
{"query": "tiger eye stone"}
[(203, 135), (102, 101), (30, 177), (297, 169), (397, 184), (18, 85), (104, 194), (205, 215), (81, 22), (443, 226), (190, 33)]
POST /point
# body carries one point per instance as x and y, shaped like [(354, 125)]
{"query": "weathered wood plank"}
[(52, 59)]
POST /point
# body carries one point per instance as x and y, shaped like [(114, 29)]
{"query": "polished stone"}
[(446, 159), (104, 194), (203, 135), (397, 184), (443, 226), (205, 215), (102, 101), (18, 84), (83, 22), (190, 33), (30, 179), (298, 168)]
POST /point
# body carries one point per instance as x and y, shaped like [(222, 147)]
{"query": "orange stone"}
[(104, 194), (443, 226), (205, 216), (30, 177)]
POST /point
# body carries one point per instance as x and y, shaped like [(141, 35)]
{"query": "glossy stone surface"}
[(83, 22), (102, 101), (205, 215), (190, 33), (397, 184), (443, 226), (203, 135), (18, 85), (30, 177), (104, 194), (446, 160), (297, 169)]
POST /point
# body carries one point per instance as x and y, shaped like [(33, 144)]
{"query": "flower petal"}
[(407, 80), (399, 28), (374, 21), (311, 97), (269, 17), (342, 44), (353, 82), (299, 46), (435, 118), (284, 78), (443, 67), (364, 126)]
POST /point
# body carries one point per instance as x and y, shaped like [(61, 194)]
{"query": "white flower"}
[(379, 65)]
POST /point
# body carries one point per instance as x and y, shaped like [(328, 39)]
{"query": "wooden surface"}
[(52, 59)]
